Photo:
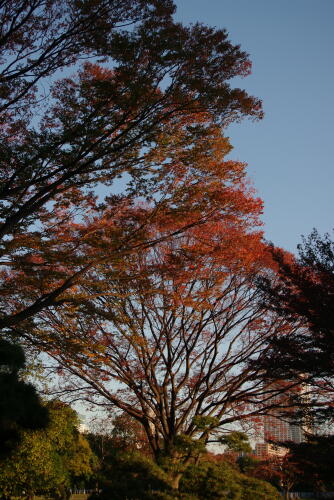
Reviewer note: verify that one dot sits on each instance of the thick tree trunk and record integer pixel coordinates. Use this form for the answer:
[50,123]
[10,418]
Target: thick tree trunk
[167,460]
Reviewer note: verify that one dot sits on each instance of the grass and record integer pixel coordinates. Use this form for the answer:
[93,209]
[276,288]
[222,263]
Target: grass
[79,496]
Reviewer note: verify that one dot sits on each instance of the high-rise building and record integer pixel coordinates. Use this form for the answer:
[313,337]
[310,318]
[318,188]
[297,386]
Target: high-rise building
[278,427]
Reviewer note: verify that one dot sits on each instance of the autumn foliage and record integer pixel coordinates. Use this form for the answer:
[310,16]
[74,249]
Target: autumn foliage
[166,330]
[110,119]
[131,244]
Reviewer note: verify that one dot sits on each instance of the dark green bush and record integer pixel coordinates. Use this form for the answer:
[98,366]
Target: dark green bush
[220,481]
[135,477]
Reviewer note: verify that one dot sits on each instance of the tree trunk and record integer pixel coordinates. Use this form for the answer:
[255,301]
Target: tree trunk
[174,481]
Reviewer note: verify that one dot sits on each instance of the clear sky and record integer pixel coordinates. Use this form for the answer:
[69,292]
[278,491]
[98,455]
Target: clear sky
[290,152]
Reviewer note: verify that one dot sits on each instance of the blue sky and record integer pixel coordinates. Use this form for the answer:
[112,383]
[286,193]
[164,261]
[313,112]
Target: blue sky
[289,153]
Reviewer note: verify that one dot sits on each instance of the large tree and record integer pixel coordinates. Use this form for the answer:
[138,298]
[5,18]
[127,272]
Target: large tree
[168,336]
[95,126]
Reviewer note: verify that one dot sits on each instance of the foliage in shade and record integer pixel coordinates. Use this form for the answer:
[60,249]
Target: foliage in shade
[47,460]
[313,461]
[113,437]
[20,406]
[304,293]
[204,481]
[133,475]
[281,471]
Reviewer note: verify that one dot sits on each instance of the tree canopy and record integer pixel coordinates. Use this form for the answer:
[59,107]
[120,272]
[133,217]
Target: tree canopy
[147,75]
[167,334]
[303,291]
[237,441]
[144,296]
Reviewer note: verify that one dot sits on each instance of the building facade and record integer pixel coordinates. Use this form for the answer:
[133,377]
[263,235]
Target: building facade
[279,428]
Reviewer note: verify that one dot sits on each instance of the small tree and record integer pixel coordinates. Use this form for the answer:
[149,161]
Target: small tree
[128,435]
[282,471]
[236,441]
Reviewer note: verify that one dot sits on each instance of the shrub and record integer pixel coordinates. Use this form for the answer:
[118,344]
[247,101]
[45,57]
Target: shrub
[135,477]
[220,481]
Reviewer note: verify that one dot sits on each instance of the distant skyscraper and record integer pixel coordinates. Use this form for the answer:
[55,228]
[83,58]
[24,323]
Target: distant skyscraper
[278,428]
